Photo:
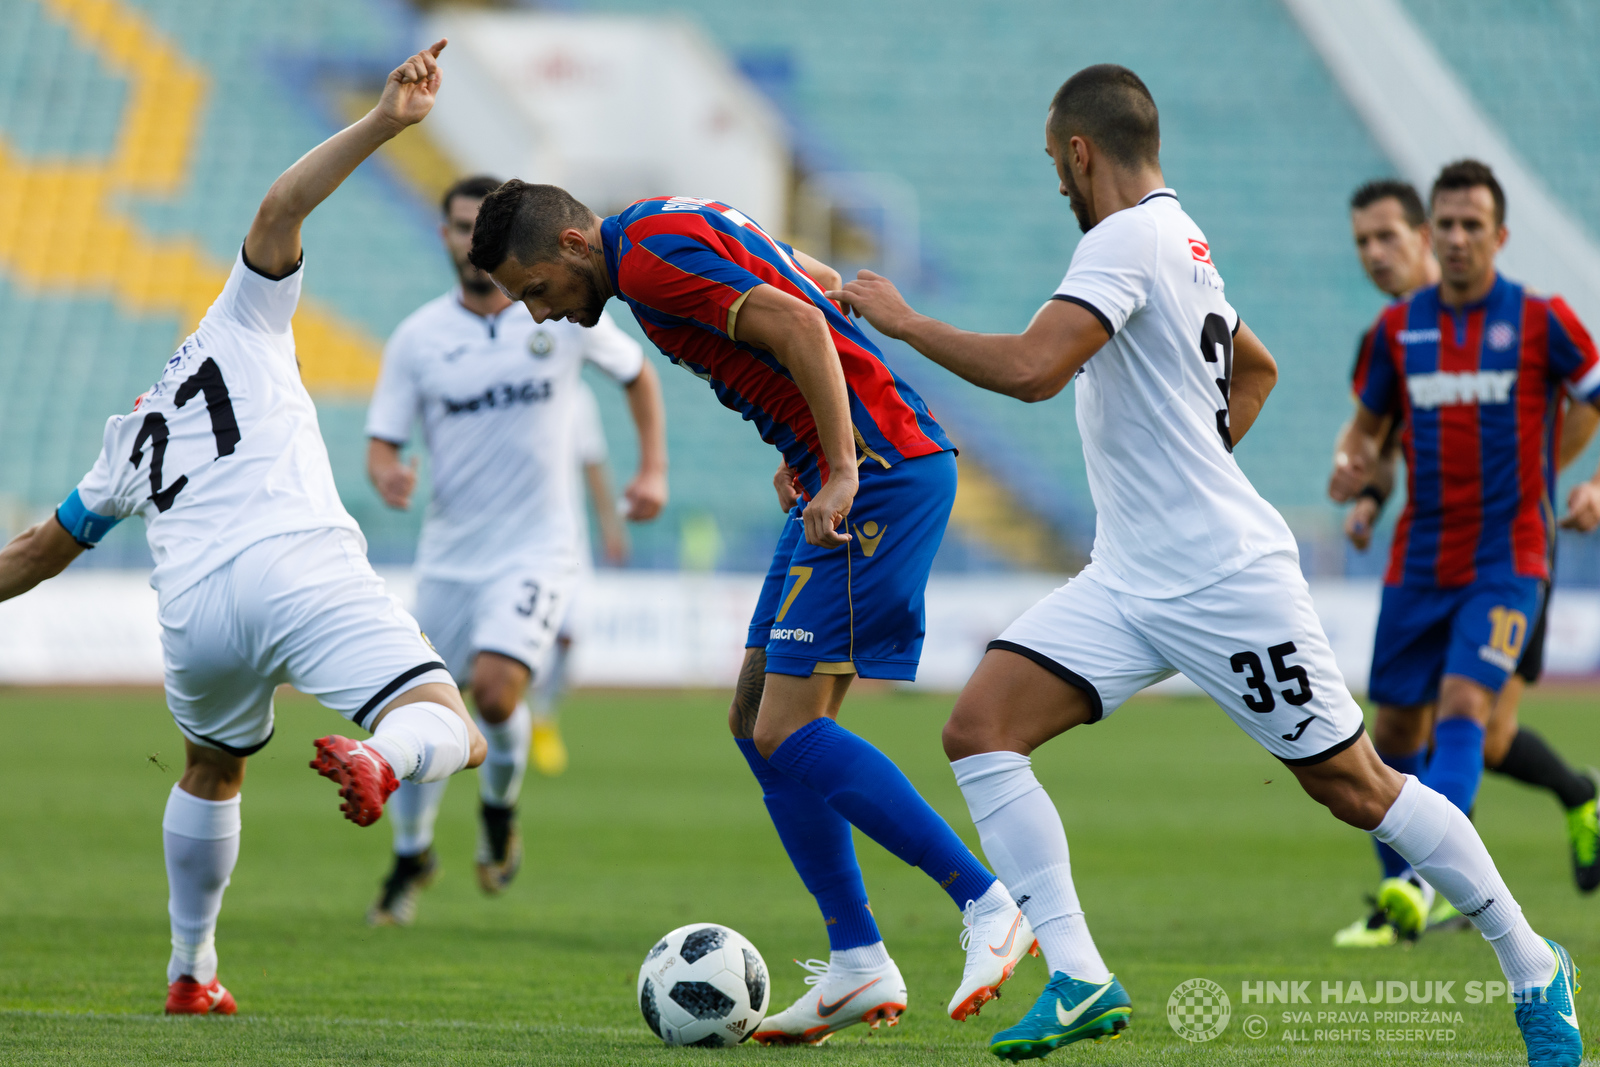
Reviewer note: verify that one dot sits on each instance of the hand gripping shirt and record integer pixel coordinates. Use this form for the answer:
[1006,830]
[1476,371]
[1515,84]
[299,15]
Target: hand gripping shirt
[224,450]
[1173,511]
[496,397]
[685,265]
[1476,391]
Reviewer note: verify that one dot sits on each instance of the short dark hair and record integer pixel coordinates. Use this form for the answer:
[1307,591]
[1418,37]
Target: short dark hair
[1110,106]
[523,220]
[1469,174]
[475,187]
[1391,189]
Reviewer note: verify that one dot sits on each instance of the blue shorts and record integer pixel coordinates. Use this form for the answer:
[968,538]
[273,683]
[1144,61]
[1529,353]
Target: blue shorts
[1477,631]
[858,608]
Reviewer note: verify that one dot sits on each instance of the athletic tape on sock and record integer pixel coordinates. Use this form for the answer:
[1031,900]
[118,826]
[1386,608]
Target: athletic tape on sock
[436,733]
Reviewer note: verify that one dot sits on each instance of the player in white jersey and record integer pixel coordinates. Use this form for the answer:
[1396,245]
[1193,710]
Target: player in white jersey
[1191,571]
[499,557]
[262,576]
[548,752]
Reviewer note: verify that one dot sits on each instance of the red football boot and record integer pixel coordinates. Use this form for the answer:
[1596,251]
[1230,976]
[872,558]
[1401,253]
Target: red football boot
[365,778]
[188,997]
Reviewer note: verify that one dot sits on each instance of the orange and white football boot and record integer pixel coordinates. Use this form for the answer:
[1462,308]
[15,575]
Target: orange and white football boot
[838,999]
[188,997]
[996,941]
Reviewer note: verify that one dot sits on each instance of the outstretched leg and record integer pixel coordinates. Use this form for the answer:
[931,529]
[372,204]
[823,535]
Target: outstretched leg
[1519,753]
[797,734]
[819,844]
[200,836]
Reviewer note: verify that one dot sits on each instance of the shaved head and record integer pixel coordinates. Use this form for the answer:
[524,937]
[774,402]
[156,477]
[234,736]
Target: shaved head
[1111,107]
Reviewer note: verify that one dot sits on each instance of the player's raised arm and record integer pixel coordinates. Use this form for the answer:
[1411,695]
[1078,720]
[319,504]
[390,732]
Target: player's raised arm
[796,333]
[1031,366]
[39,552]
[273,244]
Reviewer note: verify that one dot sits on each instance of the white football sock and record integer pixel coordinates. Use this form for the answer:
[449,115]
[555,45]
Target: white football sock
[865,958]
[201,839]
[500,776]
[423,741]
[547,690]
[1444,847]
[413,809]
[1023,838]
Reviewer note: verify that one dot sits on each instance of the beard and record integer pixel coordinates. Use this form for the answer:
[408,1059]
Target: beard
[593,303]
[1080,206]
[472,279]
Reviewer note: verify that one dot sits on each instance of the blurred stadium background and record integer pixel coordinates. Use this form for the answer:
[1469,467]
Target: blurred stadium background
[137,136]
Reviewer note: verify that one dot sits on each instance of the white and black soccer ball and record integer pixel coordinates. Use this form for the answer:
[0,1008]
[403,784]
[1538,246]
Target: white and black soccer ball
[703,985]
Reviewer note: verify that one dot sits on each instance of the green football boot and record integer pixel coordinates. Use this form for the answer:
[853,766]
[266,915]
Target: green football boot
[1375,931]
[1068,1010]
[1583,831]
[1401,899]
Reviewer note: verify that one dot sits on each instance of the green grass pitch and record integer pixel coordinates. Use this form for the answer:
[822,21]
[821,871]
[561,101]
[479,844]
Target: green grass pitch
[1196,857]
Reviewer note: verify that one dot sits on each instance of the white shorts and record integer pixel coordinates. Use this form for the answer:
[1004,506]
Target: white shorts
[517,614]
[304,609]
[1252,641]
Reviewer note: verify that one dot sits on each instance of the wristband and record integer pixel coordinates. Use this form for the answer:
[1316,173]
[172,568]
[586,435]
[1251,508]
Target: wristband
[85,526]
[1376,495]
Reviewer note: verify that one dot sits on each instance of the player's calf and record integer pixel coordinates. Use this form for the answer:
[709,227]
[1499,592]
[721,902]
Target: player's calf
[420,741]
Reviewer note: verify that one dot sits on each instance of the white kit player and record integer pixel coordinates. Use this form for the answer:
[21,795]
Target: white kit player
[262,576]
[1191,571]
[499,556]
[548,752]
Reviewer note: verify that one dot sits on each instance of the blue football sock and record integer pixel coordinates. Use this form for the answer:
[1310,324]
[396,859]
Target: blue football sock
[1394,865]
[818,841]
[1457,764]
[865,786]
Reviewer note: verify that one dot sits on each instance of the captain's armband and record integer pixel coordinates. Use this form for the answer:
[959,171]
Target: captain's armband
[86,527]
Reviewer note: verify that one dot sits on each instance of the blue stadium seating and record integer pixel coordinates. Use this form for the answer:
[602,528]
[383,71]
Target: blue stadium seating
[1531,65]
[1256,139]
[948,96]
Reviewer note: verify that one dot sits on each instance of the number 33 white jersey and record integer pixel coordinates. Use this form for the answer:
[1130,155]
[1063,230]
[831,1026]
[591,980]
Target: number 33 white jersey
[1174,513]
[224,450]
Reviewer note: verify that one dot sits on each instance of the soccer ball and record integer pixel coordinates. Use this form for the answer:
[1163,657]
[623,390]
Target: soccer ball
[703,985]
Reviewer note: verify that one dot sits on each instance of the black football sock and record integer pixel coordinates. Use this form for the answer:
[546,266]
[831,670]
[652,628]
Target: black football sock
[1532,761]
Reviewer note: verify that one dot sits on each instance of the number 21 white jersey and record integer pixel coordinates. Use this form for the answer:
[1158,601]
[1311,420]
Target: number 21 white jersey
[224,450]
[1174,513]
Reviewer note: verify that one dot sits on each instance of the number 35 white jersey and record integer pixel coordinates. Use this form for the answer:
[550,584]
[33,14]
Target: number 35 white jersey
[224,450]
[1174,513]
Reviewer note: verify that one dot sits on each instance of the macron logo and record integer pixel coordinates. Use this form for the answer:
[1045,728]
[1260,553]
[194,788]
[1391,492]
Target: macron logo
[792,635]
[1445,388]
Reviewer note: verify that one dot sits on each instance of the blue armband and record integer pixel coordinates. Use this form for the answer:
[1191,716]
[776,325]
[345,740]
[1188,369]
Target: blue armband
[84,525]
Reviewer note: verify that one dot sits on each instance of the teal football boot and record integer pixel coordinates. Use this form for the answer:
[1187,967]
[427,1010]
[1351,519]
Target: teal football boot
[1068,1010]
[1548,1017]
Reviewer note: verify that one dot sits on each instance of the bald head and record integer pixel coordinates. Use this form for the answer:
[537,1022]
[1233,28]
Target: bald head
[1109,106]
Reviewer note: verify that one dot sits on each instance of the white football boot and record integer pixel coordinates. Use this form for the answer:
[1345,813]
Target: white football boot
[839,998]
[996,939]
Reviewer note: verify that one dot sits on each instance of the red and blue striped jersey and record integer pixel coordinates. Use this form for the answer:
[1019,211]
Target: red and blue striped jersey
[1475,388]
[684,265]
